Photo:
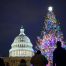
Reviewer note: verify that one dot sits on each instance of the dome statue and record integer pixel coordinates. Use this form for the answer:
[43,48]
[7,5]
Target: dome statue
[21,46]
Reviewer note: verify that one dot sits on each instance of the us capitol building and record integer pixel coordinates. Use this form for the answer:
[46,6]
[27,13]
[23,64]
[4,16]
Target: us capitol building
[21,48]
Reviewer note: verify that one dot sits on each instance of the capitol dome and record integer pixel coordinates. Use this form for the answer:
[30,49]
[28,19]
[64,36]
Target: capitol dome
[21,46]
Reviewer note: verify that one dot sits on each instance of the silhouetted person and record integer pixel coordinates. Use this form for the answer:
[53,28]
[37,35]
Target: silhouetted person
[7,64]
[22,62]
[38,59]
[59,55]
[2,62]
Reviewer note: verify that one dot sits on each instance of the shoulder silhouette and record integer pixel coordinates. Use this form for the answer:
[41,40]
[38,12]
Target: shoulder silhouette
[59,55]
[38,59]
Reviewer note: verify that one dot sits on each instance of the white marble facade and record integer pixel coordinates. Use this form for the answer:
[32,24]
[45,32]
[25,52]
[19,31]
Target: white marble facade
[21,46]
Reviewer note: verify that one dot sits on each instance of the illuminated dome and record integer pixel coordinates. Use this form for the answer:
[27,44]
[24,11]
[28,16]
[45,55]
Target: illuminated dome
[22,46]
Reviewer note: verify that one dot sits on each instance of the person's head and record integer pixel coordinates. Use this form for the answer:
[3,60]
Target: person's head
[2,62]
[38,52]
[22,61]
[58,44]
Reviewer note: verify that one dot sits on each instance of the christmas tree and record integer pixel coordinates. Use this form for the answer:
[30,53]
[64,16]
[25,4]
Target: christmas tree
[50,34]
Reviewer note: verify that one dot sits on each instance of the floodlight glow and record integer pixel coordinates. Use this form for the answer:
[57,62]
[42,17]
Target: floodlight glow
[50,8]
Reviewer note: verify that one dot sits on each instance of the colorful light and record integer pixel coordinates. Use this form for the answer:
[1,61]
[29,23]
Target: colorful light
[50,35]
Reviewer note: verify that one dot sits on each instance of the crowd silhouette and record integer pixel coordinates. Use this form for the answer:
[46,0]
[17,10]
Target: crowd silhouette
[59,58]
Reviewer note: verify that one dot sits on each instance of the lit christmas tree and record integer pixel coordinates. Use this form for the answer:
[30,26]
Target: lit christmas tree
[50,34]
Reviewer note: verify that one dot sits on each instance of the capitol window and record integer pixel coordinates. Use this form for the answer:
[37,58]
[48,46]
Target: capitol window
[16,53]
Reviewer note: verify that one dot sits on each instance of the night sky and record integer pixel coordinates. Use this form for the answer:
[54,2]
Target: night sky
[30,14]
